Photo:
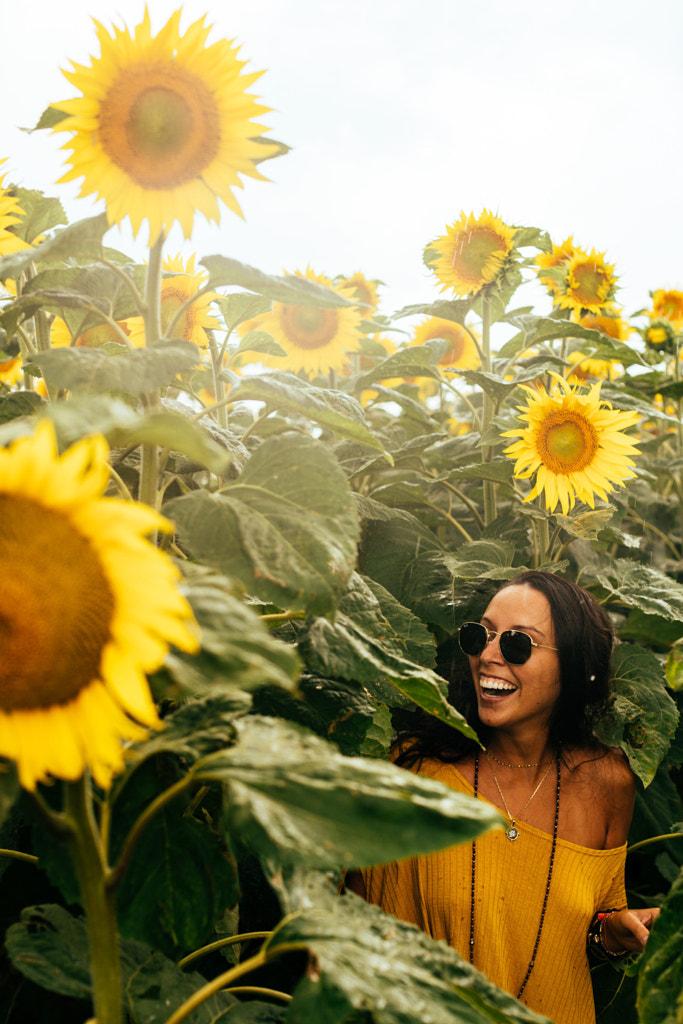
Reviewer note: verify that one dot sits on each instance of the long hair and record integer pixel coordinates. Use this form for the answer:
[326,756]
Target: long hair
[584,638]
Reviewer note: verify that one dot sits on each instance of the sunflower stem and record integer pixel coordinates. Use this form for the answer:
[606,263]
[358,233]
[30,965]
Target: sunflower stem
[220,408]
[149,468]
[487,412]
[86,851]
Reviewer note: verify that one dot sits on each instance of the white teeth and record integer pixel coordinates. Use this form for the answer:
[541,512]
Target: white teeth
[496,684]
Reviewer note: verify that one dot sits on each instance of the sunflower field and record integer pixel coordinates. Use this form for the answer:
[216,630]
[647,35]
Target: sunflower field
[242,518]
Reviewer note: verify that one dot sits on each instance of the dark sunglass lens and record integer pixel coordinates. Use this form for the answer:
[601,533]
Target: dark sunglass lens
[515,647]
[472,638]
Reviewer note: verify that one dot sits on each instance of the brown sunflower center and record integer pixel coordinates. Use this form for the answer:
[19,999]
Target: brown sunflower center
[590,286]
[55,607]
[308,327]
[474,249]
[567,442]
[161,126]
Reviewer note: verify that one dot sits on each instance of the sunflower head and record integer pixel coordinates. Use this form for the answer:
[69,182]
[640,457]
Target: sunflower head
[610,323]
[667,305]
[363,290]
[162,125]
[582,368]
[10,214]
[589,283]
[88,606]
[573,442]
[660,335]
[551,265]
[472,254]
[461,354]
[316,340]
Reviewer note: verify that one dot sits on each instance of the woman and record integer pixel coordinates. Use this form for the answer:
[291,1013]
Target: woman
[523,903]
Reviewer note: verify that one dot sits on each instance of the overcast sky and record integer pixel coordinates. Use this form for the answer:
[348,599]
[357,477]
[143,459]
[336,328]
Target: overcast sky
[401,113]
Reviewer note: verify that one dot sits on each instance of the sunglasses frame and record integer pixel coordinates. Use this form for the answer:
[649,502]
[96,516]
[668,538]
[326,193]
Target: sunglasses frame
[491,633]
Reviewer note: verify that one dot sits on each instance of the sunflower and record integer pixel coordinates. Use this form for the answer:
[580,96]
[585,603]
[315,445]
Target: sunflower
[589,283]
[10,371]
[461,352]
[163,125]
[554,261]
[611,324]
[177,287]
[574,441]
[661,335]
[667,305]
[88,606]
[472,253]
[316,340]
[583,368]
[10,214]
[92,337]
[363,290]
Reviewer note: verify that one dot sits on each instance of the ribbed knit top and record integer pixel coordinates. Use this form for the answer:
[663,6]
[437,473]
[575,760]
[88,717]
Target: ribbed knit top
[433,892]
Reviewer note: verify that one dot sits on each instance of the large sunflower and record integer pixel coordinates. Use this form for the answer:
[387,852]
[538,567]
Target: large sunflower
[178,285]
[461,353]
[668,305]
[316,340]
[472,253]
[574,443]
[88,606]
[10,214]
[555,261]
[589,283]
[163,125]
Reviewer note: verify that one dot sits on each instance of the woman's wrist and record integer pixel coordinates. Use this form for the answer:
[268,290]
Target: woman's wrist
[597,941]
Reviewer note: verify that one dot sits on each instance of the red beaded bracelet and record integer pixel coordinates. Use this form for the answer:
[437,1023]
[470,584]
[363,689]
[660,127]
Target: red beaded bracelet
[596,940]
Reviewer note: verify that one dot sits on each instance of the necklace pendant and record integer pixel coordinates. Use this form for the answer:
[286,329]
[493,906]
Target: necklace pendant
[512,833]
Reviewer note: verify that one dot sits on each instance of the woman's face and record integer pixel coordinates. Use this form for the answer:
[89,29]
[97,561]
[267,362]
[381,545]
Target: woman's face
[517,696]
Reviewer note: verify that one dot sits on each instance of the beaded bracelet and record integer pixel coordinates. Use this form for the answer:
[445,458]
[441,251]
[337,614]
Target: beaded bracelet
[596,942]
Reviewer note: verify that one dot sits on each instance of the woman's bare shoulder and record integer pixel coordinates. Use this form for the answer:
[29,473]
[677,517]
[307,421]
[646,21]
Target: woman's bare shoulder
[605,778]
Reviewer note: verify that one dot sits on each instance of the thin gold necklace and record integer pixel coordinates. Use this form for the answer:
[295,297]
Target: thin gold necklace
[513,832]
[531,764]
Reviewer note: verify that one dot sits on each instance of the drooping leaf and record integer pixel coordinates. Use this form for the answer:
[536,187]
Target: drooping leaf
[132,372]
[483,559]
[334,410]
[237,650]
[296,800]
[41,213]
[660,977]
[82,240]
[261,342]
[640,586]
[446,309]
[372,967]
[290,289]
[19,403]
[410,361]
[287,528]
[642,717]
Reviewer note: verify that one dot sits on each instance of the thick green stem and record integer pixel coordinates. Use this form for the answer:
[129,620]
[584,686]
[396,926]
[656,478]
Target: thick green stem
[98,902]
[654,839]
[220,408]
[488,409]
[149,468]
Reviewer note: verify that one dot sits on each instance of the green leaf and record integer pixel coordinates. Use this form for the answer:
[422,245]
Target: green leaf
[19,403]
[660,977]
[411,361]
[237,650]
[82,240]
[287,528]
[132,372]
[483,559]
[296,800]
[241,306]
[41,214]
[50,948]
[642,717]
[72,292]
[536,329]
[370,966]
[262,342]
[640,586]
[361,644]
[454,309]
[336,411]
[290,289]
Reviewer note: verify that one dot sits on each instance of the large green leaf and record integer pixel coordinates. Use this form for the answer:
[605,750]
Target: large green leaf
[410,361]
[290,289]
[362,644]
[373,968]
[40,214]
[19,403]
[50,948]
[132,372]
[287,528]
[237,650]
[483,559]
[642,717]
[82,240]
[294,799]
[660,980]
[338,412]
[640,586]
[447,309]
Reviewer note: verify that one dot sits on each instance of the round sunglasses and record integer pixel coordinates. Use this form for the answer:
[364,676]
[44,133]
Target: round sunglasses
[515,646]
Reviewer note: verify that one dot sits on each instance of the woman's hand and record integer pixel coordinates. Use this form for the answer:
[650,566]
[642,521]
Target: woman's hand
[629,929]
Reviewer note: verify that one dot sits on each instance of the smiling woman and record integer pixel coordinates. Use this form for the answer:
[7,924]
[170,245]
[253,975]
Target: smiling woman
[525,904]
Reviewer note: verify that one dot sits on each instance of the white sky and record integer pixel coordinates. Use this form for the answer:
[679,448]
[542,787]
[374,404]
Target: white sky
[401,113]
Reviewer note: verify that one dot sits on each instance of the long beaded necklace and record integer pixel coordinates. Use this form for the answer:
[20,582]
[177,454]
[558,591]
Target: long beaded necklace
[513,832]
[532,961]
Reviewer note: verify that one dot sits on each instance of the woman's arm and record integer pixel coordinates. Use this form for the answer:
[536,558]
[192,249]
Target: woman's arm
[628,930]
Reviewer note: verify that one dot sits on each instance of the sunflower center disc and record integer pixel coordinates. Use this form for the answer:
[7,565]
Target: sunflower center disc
[472,253]
[307,327]
[590,285]
[160,126]
[569,443]
[55,607]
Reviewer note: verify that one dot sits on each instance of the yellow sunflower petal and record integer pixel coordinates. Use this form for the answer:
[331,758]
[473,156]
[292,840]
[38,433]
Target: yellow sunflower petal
[472,253]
